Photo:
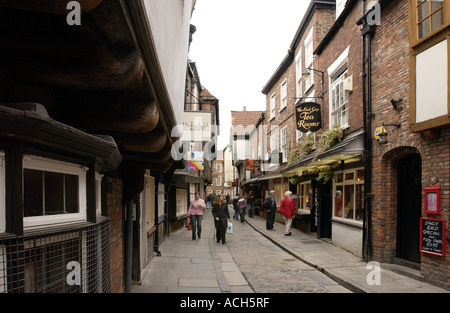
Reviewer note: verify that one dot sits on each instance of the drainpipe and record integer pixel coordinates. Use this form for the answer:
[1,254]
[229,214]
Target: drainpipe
[367,33]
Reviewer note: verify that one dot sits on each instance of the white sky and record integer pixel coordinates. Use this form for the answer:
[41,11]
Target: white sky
[237,47]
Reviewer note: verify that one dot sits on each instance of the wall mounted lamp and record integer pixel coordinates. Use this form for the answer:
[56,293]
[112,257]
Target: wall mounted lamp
[307,73]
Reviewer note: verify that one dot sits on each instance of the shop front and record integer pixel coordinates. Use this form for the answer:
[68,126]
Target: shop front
[329,190]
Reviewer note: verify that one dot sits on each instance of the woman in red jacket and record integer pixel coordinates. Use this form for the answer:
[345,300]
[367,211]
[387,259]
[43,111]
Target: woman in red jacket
[287,209]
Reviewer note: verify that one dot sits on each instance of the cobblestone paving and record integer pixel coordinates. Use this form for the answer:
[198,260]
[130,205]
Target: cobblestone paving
[268,268]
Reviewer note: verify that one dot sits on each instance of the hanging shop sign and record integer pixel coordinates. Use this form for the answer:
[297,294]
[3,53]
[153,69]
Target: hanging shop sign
[308,117]
[251,165]
[432,236]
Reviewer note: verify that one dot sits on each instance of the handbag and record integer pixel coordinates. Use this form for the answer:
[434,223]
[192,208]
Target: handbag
[188,223]
[230,228]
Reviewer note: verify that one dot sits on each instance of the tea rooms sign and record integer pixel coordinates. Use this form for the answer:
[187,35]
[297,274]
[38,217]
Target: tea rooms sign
[308,117]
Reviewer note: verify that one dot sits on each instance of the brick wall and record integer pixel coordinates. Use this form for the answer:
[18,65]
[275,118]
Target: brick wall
[115,214]
[349,36]
[390,57]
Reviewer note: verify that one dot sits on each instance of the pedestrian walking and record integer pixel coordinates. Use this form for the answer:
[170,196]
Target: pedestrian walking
[271,212]
[250,203]
[221,217]
[235,207]
[287,209]
[195,212]
[242,208]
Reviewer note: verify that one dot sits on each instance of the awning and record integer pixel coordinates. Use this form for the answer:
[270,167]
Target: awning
[350,150]
[251,181]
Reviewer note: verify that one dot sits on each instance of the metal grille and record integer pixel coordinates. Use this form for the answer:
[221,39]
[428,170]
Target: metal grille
[64,261]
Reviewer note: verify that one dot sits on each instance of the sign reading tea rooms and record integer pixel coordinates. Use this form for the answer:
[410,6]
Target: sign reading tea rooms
[308,117]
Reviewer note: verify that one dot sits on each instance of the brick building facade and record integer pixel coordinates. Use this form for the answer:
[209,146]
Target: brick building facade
[372,82]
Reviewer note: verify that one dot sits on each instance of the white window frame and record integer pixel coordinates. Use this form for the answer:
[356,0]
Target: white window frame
[335,69]
[283,142]
[219,168]
[272,106]
[49,165]
[2,193]
[309,58]
[339,115]
[283,95]
[218,181]
[298,76]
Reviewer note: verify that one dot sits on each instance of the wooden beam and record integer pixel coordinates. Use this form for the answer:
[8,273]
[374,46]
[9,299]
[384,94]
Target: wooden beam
[149,142]
[105,68]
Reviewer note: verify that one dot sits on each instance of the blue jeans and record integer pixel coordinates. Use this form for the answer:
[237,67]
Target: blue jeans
[250,210]
[196,225]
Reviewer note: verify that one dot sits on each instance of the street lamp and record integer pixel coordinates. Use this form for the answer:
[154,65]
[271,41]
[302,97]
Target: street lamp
[307,73]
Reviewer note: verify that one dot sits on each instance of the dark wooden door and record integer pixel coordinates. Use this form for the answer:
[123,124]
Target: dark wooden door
[324,210]
[409,207]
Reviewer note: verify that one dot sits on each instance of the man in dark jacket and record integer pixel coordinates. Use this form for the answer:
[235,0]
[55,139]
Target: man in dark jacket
[271,214]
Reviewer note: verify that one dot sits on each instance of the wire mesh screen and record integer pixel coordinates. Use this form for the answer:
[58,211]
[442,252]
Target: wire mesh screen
[64,261]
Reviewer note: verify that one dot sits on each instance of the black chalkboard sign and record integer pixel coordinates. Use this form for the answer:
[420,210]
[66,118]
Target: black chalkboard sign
[432,236]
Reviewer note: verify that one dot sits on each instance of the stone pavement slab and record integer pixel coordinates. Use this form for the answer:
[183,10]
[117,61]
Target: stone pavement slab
[193,266]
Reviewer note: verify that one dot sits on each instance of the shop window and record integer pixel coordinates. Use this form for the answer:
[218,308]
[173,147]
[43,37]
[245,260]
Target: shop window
[348,195]
[305,198]
[53,192]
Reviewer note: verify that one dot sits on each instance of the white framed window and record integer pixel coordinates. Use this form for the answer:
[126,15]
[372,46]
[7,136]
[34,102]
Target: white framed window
[272,106]
[339,99]
[298,75]
[219,181]
[218,168]
[54,192]
[309,58]
[283,93]
[348,190]
[2,195]
[283,141]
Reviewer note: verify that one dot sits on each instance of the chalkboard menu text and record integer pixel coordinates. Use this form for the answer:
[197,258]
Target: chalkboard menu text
[432,236]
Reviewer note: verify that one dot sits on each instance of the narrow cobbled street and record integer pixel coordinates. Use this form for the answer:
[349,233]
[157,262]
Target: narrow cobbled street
[248,262]
[268,268]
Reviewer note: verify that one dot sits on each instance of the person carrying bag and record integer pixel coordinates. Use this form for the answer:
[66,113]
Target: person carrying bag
[195,213]
[221,217]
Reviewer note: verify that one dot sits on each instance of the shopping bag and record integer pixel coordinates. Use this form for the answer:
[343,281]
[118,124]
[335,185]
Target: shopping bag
[188,223]
[230,228]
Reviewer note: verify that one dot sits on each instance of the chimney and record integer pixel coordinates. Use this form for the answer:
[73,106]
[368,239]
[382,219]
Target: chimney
[245,109]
